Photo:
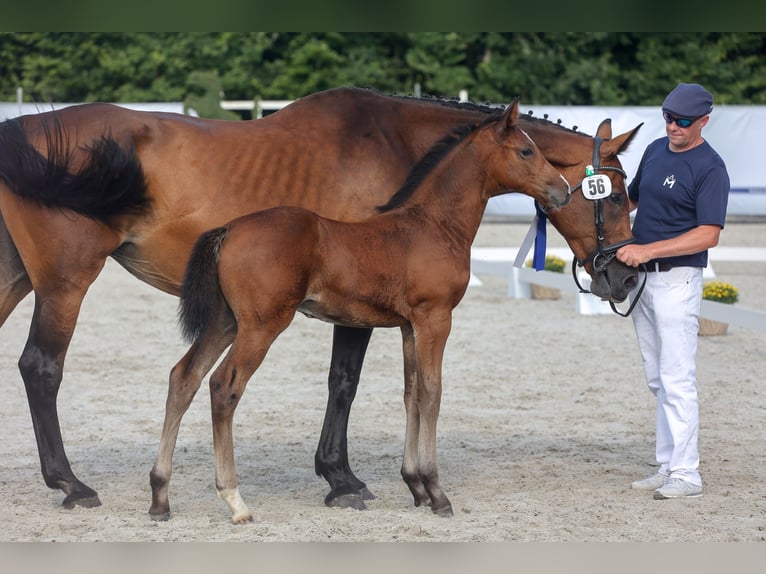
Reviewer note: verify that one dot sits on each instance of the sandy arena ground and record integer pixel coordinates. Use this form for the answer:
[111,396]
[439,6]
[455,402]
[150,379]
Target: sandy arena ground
[545,421]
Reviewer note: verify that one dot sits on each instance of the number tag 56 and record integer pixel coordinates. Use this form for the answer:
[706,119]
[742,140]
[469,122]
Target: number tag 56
[596,186]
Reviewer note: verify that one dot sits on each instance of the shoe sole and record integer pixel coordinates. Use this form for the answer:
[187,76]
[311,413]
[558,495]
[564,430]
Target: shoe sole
[659,496]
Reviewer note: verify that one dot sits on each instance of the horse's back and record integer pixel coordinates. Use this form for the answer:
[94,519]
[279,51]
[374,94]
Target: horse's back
[340,153]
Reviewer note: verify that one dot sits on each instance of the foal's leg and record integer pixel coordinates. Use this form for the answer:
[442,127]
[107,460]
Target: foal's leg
[409,469]
[349,345]
[430,341]
[185,380]
[227,383]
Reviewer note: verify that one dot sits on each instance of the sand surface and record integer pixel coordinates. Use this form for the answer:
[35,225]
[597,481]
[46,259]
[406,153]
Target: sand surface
[545,421]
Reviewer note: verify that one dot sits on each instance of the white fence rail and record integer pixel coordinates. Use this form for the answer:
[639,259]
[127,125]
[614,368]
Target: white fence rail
[499,262]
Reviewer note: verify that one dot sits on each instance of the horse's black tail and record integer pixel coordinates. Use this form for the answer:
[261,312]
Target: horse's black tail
[201,297]
[110,181]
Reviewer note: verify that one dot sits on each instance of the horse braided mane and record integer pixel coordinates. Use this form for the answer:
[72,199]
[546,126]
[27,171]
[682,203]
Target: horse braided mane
[486,108]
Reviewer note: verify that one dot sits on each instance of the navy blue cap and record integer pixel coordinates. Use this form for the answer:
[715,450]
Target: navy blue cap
[688,101]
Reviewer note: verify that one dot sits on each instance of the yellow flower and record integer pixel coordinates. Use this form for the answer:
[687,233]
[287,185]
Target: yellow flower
[552,263]
[720,292]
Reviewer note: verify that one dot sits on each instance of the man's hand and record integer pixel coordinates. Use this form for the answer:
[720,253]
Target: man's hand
[633,254]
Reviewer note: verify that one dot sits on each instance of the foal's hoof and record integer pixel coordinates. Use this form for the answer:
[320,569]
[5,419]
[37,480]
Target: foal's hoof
[160,517]
[351,500]
[366,494]
[242,519]
[84,499]
[443,510]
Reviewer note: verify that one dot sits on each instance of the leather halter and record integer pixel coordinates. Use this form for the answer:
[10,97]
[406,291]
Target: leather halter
[604,254]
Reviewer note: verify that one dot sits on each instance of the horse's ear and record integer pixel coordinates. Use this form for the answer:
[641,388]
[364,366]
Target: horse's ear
[617,145]
[511,114]
[604,130]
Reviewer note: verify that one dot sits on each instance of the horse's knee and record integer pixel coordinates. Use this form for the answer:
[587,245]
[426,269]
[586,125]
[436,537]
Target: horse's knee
[183,386]
[225,394]
[41,374]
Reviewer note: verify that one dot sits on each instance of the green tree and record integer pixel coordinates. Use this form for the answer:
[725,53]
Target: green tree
[578,68]
[203,95]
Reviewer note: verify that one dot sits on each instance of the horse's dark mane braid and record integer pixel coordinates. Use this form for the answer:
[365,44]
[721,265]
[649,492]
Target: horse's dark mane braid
[457,104]
[432,158]
[485,108]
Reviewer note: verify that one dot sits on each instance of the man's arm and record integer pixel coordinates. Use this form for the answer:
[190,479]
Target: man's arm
[693,241]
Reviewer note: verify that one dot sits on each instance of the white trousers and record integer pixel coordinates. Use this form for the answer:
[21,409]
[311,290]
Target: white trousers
[666,320]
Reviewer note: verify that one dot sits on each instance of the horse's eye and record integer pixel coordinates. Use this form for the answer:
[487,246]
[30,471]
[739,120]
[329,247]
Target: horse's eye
[527,152]
[618,198]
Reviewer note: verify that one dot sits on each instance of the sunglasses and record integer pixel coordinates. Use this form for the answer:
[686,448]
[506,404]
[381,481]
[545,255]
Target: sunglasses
[680,122]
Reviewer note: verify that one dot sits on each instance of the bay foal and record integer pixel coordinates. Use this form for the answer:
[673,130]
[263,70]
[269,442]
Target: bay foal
[407,267]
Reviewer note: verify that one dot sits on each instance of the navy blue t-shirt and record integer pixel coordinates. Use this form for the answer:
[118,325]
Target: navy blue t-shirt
[677,192]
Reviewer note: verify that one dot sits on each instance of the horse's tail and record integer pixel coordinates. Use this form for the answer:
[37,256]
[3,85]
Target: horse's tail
[109,182]
[202,300]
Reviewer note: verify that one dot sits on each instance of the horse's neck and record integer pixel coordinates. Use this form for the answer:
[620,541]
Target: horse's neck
[560,146]
[454,196]
[418,123]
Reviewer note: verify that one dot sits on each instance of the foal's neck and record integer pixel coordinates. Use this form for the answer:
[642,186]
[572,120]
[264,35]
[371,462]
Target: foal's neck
[453,197]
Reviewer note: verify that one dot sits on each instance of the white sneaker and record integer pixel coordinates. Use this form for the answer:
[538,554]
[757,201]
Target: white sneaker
[652,483]
[678,488]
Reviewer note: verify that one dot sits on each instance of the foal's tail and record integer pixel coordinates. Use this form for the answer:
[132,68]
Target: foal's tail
[110,181]
[202,300]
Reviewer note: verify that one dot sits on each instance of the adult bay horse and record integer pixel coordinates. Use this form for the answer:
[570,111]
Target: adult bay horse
[406,267]
[93,181]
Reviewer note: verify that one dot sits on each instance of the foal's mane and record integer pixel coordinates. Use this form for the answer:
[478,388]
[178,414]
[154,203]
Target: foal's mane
[432,158]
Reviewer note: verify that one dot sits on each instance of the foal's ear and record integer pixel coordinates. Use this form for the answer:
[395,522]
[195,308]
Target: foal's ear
[511,114]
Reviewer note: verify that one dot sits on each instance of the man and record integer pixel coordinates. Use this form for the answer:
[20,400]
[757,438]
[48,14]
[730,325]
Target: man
[681,191]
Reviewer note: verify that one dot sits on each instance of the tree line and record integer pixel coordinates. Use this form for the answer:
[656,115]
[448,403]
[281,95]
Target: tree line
[544,68]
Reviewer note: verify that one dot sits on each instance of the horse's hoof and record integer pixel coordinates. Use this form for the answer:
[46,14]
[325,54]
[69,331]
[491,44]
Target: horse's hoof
[445,511]
[242,519]
[161,516]
[86,500]
[366,494]
[351,500]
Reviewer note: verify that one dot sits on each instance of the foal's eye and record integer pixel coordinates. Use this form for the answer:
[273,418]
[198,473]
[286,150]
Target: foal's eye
[527,152]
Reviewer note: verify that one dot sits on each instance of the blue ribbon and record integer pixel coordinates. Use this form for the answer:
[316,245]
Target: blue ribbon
[538,257]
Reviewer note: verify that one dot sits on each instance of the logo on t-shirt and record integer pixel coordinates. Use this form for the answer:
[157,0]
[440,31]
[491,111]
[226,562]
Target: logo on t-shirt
[670,181]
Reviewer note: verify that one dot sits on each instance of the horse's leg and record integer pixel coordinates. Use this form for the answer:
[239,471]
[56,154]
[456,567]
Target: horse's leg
[349,345]
[409,469]
[62,254]
[430,341]
[185,380]
[41,365]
